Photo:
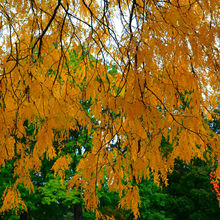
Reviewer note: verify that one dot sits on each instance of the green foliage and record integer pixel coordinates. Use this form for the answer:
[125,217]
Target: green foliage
[55,193]
[165,147]
[190,194]
[153,201]
[109,204]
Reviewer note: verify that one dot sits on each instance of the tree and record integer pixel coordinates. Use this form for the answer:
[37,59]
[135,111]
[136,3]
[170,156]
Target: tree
[50,199]
[189,187]
[153,201]
[156,77]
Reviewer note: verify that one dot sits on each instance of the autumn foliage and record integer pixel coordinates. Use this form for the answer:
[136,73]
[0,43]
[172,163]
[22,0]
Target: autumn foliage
[152,73]
[215,184]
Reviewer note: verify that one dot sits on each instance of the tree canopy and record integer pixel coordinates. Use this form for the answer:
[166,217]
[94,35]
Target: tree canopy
[132,73]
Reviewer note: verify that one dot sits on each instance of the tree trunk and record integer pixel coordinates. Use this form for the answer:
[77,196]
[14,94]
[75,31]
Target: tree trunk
[78,211]
[23,216]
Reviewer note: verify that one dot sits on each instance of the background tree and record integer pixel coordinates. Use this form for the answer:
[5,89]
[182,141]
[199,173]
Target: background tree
[189,186]
[166,57]
[50,198]
[190,194]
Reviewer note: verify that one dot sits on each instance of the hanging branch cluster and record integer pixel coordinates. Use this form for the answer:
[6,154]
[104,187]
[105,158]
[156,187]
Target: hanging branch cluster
[148,68]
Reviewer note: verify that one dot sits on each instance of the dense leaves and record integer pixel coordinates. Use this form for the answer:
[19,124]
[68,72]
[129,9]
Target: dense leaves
[156,78]
[190,193]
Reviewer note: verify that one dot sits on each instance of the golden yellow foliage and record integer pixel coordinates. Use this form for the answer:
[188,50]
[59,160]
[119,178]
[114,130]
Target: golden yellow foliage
[167,80]
[12,200]
[61,165]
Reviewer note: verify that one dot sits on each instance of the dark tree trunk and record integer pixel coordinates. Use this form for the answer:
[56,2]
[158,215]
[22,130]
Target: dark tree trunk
[23,216]
[77,207]
[78,211]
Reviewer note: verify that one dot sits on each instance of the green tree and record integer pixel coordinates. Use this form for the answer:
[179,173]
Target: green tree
[153,201]
[50,197]
[190,194]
